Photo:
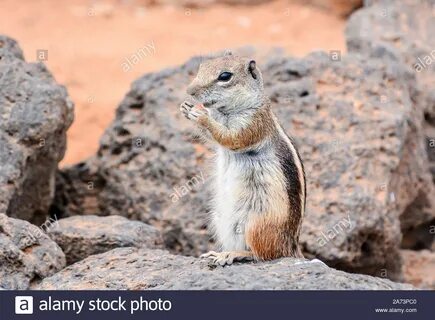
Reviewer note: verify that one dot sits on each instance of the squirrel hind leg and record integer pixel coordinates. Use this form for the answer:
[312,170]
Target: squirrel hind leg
[271,238]
[228,257]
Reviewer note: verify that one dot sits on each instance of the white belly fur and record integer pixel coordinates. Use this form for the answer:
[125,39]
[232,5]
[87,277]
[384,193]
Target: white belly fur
[228,184]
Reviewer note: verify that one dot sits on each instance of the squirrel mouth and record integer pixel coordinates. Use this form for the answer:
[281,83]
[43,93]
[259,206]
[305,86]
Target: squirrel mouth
[209,104]
[214,104]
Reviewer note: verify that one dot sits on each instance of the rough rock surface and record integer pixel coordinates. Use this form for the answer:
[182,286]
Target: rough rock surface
[419,268]
[357,131]
[35,113]
[82,236]
[404,31]
[138,269]
[26,254]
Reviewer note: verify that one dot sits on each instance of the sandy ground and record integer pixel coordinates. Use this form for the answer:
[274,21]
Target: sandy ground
[88,43]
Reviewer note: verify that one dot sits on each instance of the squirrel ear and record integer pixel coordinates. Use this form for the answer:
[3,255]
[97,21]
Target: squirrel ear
[252,68]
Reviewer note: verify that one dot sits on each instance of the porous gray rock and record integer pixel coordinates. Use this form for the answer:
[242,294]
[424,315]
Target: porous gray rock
[35,113]
[82,236]
[27,254]
[9,48]
[358,135]
[399,30]
[404,31]
[138,269]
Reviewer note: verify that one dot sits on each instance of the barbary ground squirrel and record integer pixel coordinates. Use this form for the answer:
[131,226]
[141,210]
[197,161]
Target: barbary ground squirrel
[259,191]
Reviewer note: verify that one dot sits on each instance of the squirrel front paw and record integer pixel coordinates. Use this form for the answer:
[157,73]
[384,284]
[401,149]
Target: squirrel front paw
[227,258]
[193,112]
[218,258]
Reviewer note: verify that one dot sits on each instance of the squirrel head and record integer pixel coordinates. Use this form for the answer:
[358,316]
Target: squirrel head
[228,83]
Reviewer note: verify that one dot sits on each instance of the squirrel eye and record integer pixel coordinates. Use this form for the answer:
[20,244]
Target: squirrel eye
[225,76]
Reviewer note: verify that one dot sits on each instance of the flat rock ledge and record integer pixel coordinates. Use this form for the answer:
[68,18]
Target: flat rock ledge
[83,236]
[138,269]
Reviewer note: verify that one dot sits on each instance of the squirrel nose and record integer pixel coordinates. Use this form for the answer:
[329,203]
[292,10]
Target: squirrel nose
[192,90]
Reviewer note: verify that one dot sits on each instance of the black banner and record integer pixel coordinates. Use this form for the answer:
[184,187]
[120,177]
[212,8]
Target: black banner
[216,305]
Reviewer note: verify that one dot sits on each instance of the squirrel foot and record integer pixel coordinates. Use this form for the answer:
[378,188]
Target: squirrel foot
[193,112]
[228,257]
